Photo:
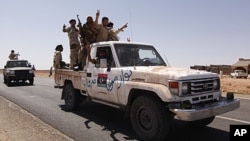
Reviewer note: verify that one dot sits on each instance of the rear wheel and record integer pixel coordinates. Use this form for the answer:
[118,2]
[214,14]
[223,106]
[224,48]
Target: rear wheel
[149,118]
[71,97]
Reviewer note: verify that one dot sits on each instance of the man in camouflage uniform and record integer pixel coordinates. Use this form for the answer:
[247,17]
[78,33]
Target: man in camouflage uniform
[57,57]
[113,34]
[74,42]
[88,36]
[102,29]
[13,55]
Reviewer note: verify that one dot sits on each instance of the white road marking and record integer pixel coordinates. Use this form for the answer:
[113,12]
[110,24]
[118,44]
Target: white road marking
[232,119]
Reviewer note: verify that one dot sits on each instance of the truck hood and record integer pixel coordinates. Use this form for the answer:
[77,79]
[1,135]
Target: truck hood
[157,74]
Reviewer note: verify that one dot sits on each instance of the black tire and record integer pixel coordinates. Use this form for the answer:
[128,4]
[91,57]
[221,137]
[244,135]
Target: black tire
[71,97]
[4,80]
[202,122]
[149,118]
[31,80]
[8,82]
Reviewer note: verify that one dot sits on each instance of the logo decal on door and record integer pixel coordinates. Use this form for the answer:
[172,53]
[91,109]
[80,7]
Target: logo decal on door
[102,80]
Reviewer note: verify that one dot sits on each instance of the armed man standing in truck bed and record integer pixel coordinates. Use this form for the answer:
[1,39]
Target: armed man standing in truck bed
[74,42]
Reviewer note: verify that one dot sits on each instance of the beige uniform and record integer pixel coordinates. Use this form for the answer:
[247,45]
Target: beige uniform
[74,45]
[13,56]
[102,34]
[57,59]
[112,36]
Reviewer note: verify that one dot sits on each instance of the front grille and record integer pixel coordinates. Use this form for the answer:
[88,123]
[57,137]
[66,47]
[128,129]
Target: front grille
[22,73]
[201,86]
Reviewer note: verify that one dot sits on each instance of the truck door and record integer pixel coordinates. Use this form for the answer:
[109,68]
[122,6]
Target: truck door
[103,74]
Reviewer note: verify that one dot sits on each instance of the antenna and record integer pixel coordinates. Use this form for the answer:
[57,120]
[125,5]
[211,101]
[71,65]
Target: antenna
[131,30]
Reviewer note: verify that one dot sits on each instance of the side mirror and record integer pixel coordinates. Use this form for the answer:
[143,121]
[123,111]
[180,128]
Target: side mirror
[109,68]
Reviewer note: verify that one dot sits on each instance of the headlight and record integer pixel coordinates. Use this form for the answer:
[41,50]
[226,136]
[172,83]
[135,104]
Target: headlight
[174,87]
[31,71]
[11,72]
[184,88]
[216,84]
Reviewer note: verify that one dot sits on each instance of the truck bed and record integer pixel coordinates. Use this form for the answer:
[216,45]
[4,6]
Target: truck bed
[76,77]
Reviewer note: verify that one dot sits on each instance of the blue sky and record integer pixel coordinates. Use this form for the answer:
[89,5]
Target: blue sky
[186,32]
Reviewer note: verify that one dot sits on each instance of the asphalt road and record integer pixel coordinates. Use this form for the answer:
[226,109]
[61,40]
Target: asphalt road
[95,122]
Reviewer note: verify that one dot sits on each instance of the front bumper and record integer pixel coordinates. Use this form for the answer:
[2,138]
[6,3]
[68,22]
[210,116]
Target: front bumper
[208,110]
[20,77]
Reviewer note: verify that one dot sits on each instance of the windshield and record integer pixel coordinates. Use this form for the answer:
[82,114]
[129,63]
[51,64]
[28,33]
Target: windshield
[12,64]
[138,55]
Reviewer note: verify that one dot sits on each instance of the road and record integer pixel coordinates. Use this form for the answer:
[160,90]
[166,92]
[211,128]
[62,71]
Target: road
[98,122]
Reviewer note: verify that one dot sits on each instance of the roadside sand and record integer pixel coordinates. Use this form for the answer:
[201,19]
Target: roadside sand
[17,124]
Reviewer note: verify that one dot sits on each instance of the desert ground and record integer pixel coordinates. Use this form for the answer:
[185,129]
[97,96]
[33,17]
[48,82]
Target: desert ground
[16,124]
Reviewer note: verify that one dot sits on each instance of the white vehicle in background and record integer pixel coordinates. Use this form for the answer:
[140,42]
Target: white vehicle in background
[239,74]
[18,70]
[135,79]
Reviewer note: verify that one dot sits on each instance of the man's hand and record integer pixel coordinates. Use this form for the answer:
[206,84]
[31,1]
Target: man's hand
[125,26]
[98,13]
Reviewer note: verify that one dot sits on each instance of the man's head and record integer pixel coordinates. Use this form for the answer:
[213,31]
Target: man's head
[105,21]
[12,51]
[72,21]
[89,19]
[110,25]
[59,48]
[102,54]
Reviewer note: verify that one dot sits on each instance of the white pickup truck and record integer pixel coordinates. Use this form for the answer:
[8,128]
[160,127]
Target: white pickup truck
[239,74]
[135,78]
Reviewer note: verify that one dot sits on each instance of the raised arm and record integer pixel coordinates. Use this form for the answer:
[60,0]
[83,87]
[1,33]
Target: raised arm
[96,18]
[88,54]
[122,28]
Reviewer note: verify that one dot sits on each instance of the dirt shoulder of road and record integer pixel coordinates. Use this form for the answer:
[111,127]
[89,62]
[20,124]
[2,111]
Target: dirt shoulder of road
[16,124]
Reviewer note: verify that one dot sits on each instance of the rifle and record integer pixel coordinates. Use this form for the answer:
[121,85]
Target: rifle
[80,27]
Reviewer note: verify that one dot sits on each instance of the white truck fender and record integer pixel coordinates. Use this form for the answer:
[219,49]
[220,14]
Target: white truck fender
[160,90]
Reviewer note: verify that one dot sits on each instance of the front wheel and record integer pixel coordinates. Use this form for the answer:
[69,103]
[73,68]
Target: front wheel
[71,97]
[149,118]
[4,80]
[8,82]
[31,80]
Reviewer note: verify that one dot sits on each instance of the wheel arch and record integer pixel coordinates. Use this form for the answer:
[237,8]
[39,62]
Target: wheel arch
[134,93]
